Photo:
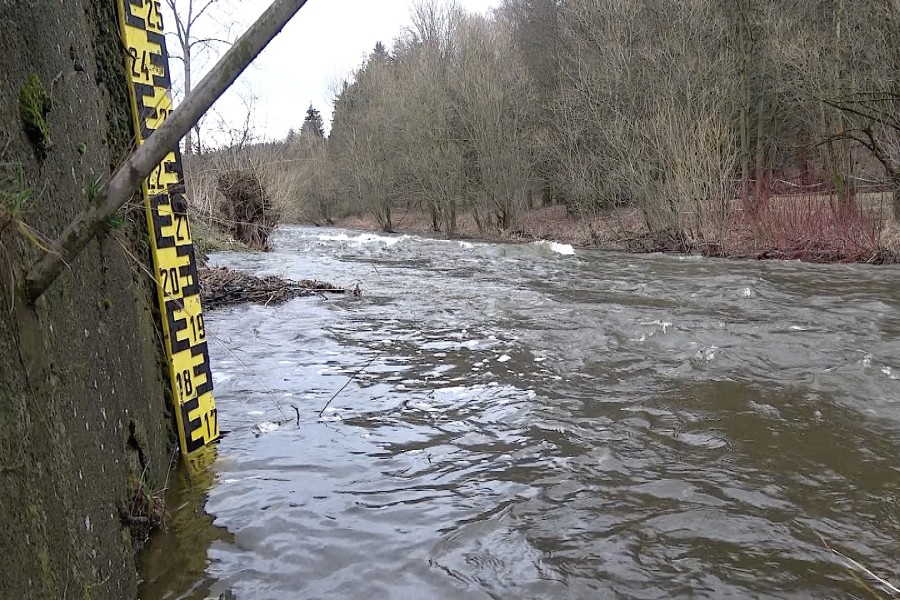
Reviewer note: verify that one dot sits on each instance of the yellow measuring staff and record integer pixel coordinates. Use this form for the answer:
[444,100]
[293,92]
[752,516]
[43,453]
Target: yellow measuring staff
[174,261]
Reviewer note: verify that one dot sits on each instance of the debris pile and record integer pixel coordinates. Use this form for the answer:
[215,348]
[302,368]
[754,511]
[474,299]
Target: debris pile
[249,211]
[224,287]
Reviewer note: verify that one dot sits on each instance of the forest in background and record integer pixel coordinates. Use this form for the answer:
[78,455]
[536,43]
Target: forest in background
[734,128]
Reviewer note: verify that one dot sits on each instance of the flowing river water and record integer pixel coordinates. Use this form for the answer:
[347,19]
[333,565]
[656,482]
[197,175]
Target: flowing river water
[537,422]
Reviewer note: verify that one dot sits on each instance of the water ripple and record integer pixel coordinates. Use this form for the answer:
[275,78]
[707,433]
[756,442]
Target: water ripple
[546,425]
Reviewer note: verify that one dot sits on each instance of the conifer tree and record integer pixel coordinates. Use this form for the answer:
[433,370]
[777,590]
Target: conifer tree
[313,124]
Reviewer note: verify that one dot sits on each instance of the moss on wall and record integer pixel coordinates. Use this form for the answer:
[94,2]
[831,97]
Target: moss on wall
[34,105]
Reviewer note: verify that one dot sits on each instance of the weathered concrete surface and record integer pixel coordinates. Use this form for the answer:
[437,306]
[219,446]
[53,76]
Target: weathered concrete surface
[83,410]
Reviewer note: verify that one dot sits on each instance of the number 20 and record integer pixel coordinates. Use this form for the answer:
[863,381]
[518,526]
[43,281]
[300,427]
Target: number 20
[169,281]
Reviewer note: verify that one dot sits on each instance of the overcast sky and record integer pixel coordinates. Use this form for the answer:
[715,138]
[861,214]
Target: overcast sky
[322,46]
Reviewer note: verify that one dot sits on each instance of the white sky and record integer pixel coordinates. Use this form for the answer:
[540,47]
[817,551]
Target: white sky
[323,45]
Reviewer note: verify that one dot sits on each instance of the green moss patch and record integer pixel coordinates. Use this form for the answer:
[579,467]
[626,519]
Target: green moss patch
[34,105]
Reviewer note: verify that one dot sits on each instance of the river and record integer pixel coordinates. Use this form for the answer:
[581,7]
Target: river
[532,421]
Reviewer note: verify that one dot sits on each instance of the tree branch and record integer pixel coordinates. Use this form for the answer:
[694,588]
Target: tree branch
[885,120]
[209,40]
[178,25]
[876,148]
[203,10]
[128,177]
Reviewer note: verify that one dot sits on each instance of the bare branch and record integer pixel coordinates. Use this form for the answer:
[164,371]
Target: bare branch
[881,119]
[203,9]
[179,27]
[207,41]
[892,166]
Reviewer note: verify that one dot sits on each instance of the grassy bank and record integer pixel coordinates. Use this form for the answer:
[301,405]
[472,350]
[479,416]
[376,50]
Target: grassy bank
[208,238]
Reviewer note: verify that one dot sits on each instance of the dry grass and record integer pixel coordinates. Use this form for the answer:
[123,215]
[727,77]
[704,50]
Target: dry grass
[248,208]
[15,197]
[146,509]
[210,238]
[287,171]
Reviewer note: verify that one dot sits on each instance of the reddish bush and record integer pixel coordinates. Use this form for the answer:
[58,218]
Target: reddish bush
[815,228]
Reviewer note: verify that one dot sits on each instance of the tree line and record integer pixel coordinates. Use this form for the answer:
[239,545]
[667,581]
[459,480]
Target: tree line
[681,110]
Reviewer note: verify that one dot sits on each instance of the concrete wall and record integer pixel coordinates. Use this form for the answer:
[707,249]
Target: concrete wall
[84,416]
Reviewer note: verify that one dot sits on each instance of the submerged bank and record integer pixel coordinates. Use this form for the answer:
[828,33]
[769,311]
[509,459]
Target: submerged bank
[221,286]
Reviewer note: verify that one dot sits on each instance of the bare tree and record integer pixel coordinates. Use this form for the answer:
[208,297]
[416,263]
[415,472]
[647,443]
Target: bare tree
[189,16]
[496,98]
[431,150]
[536,31]
[674,108]
[362,137]
[641,113]
[867,106]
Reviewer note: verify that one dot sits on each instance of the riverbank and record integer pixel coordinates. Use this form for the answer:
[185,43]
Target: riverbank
[809,229]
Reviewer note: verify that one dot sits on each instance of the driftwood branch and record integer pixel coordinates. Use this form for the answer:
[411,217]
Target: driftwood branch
[349,381]
[225,287]
[128,177]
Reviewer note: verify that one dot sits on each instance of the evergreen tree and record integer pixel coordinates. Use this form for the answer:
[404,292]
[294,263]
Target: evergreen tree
[380,53]
[313,124]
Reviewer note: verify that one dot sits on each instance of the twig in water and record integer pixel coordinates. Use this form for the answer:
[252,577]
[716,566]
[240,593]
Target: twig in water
[284,418]
[852,564]
[349,381]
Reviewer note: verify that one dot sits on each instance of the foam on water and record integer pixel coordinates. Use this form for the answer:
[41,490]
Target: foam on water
[264,427]
[364,238]
[564,249]
[663,325]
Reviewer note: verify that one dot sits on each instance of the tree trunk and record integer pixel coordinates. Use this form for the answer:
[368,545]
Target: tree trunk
[840,153]
[452,218]
[744,120]
[745,155]
[760,152]
[895,198]
[546,196]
